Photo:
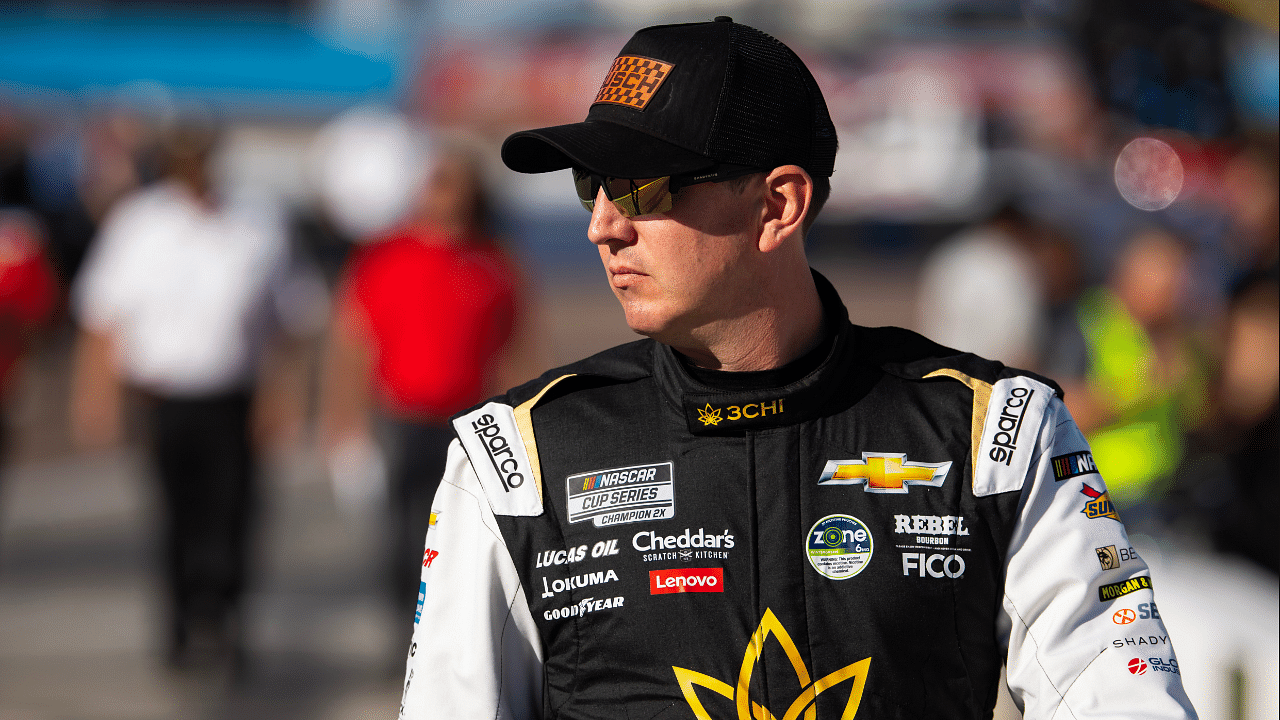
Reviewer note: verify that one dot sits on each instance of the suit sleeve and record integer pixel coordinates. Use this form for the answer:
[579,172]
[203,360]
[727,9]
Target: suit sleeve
[475,651]
[1084,634]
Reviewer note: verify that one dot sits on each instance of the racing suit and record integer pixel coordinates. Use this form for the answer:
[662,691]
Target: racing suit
[618,539]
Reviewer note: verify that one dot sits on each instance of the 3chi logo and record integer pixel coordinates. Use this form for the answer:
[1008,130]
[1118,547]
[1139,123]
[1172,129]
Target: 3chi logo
[740,695]
[1137,667]
[709,415]
[1123,616]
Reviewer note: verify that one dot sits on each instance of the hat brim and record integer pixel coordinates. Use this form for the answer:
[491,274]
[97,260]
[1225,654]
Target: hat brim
[602,147]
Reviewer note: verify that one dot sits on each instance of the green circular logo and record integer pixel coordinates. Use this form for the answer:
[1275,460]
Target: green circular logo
[839,546]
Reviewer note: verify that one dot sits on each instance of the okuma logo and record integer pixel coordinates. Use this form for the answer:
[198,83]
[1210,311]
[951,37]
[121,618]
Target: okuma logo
[740,694]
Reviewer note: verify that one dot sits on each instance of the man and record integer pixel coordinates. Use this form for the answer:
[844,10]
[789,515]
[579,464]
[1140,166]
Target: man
[763,511]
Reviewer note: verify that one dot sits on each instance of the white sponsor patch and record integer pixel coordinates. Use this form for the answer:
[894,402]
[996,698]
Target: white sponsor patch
[1010,434]
[497,452]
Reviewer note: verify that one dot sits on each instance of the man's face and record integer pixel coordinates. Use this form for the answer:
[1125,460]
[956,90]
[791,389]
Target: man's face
[679,273]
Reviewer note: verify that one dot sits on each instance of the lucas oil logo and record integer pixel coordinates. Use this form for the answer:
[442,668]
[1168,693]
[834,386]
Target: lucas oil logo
[884,473]
[622,495]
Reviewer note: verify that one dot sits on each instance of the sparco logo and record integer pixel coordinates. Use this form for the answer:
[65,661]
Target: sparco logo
[499,450]
[1009,425]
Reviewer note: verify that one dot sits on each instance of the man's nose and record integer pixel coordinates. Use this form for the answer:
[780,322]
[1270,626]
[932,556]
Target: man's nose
[608,224]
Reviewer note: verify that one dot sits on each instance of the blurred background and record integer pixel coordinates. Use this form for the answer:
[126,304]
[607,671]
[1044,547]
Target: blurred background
[1083,188]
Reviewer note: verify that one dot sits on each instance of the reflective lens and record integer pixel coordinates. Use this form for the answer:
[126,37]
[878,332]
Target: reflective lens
[631,197]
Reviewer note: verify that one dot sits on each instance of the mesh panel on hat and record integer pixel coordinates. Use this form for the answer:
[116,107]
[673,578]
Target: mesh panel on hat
[771,111]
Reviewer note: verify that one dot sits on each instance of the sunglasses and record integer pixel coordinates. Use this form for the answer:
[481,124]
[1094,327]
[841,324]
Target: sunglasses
[643,197]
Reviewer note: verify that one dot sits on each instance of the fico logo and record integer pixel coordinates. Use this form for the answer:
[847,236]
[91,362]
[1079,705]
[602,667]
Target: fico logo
[1137,667]
[685,580]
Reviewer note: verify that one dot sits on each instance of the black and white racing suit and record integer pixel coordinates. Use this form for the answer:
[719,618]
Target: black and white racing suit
[620,540]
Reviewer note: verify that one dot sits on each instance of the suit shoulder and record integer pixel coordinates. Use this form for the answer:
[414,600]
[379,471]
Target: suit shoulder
[912,356]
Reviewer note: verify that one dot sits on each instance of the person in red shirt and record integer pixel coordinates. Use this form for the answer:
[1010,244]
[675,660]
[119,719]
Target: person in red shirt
[423,329]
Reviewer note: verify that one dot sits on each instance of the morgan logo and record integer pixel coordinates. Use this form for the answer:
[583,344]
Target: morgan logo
[1120,589]
[499,450]
[632,81]
[884,473]
[686,580]
[739,693]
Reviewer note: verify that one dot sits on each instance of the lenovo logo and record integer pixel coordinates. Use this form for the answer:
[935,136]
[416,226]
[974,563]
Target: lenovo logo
[681,580]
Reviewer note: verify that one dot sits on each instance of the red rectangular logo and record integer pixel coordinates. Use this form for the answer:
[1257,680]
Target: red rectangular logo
[681,580]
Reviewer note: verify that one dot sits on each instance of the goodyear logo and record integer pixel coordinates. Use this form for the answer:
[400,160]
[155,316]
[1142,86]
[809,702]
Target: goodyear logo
[1099,505]
[739,694]
[1120,589]
[884,472]
[632,81]
[1069,466]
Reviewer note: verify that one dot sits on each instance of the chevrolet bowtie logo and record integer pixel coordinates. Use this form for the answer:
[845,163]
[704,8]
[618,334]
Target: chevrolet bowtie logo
[884,472]
[740,695]
[709,416]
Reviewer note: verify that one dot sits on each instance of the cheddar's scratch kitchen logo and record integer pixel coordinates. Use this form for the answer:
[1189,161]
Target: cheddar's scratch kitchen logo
[739,695]
[632,81]
[884,473]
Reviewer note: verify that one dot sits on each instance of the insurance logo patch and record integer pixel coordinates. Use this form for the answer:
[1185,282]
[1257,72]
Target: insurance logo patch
[622,495]
[839,546]
[632,81]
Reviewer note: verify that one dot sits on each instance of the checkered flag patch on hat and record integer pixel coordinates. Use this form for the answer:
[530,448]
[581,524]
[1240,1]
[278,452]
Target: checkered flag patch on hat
[632,81]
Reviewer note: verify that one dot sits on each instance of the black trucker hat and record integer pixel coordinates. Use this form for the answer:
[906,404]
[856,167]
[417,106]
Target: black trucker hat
[688,98]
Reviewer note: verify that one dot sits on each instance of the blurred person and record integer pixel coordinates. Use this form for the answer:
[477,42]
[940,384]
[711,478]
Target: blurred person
[981,290]
[29,294]
[1147,377]
[1248,403]
[424,328]
[183,291]
[761,506]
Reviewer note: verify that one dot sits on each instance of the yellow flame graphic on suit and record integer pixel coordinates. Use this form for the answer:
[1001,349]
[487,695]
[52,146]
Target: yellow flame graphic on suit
[804,703]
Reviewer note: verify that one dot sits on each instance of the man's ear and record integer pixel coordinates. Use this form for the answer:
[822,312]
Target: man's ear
[788,190]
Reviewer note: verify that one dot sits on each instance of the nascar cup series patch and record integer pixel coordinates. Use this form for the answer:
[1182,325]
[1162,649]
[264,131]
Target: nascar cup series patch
[622,495]
[839,546]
